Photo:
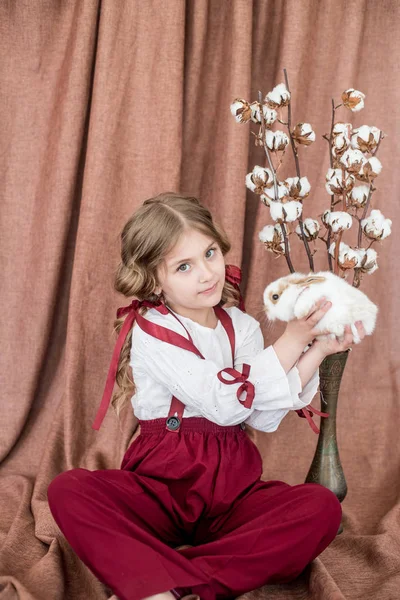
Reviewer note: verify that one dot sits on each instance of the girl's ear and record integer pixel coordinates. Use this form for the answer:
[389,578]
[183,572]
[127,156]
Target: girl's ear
[309,280]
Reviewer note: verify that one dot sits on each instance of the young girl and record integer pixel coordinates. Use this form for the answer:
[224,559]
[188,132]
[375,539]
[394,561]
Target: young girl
[187,513]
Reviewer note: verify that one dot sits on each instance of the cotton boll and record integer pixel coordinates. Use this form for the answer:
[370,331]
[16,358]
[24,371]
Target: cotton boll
[303,134]
[369,263]
[276,140]
[255,112]
[288,212]
[298,187]
[279,96]
[374,164]
[240,109]
[352,160]
[283,191]
[353,99]
[376,227]
[311,229]
[342,129]
[370,169]
[359,195]
[340,144]
[335,184]
[270,115]
[250,183]
[365,138]
[267,233]
[272,237]
[340,221]
[348,258]
[373,266]
[258,178]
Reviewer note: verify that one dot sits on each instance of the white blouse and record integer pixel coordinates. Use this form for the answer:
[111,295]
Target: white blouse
[161,370]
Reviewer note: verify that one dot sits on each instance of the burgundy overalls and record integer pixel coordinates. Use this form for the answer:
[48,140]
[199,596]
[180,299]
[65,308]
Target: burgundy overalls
[190,481]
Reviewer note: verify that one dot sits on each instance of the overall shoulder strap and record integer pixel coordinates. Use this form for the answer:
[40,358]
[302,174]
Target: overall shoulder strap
[167,335]
[227,324]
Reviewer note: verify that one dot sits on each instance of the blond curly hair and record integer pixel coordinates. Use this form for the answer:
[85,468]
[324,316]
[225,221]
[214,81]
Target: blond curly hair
[147,237]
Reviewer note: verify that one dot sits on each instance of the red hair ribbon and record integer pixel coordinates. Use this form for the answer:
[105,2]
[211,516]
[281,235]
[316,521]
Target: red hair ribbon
[246,386]
[233,275]
[131,311]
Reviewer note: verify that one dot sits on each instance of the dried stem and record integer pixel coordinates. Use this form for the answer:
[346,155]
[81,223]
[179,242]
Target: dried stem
[337,247]
[285,239]
[296,160]
[339,237]
[333,197]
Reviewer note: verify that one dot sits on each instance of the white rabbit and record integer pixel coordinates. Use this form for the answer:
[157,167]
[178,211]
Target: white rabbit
[293,296]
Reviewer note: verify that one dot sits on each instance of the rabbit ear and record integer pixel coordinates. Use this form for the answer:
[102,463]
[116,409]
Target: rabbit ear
[309,280]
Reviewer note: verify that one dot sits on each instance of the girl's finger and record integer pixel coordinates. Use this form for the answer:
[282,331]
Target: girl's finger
[348,336]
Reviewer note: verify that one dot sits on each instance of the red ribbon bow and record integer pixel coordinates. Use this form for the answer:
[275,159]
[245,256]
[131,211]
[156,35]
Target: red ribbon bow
[136,304]
[246,386]
[307,413]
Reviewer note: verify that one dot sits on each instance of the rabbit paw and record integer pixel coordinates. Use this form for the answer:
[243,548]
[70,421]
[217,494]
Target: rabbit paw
[356,337]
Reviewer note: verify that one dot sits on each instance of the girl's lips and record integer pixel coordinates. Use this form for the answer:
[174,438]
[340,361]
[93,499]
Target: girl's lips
[209,291]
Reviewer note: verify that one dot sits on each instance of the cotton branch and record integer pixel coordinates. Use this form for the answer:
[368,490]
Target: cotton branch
[296,160]
[271,166]
[328,242]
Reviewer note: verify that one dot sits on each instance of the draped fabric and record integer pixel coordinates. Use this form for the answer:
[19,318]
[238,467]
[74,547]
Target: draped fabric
[104,104]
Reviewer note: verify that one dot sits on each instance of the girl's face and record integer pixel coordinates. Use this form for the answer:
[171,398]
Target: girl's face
[194,265]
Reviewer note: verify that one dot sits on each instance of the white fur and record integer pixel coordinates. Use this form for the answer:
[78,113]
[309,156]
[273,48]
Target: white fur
[349,304]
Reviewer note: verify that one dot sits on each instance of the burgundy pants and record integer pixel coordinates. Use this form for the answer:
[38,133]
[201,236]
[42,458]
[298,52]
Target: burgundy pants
[200,487]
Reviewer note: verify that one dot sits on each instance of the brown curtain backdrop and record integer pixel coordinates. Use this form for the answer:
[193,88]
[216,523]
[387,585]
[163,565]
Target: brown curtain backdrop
[104,103]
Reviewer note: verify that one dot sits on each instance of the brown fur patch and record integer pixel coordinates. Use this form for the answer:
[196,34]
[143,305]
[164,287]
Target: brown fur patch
[303,281]
[281,288]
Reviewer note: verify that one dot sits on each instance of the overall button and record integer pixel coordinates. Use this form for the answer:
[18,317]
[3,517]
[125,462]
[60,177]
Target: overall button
[173,423]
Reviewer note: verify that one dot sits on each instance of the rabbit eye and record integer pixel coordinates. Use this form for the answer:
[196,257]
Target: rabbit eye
[275,297]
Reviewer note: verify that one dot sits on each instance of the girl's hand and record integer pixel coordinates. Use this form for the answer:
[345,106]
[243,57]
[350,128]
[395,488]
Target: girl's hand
[301,331]
[329,346]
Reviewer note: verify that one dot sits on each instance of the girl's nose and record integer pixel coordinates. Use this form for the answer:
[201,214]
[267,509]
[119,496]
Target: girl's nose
[205,273]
